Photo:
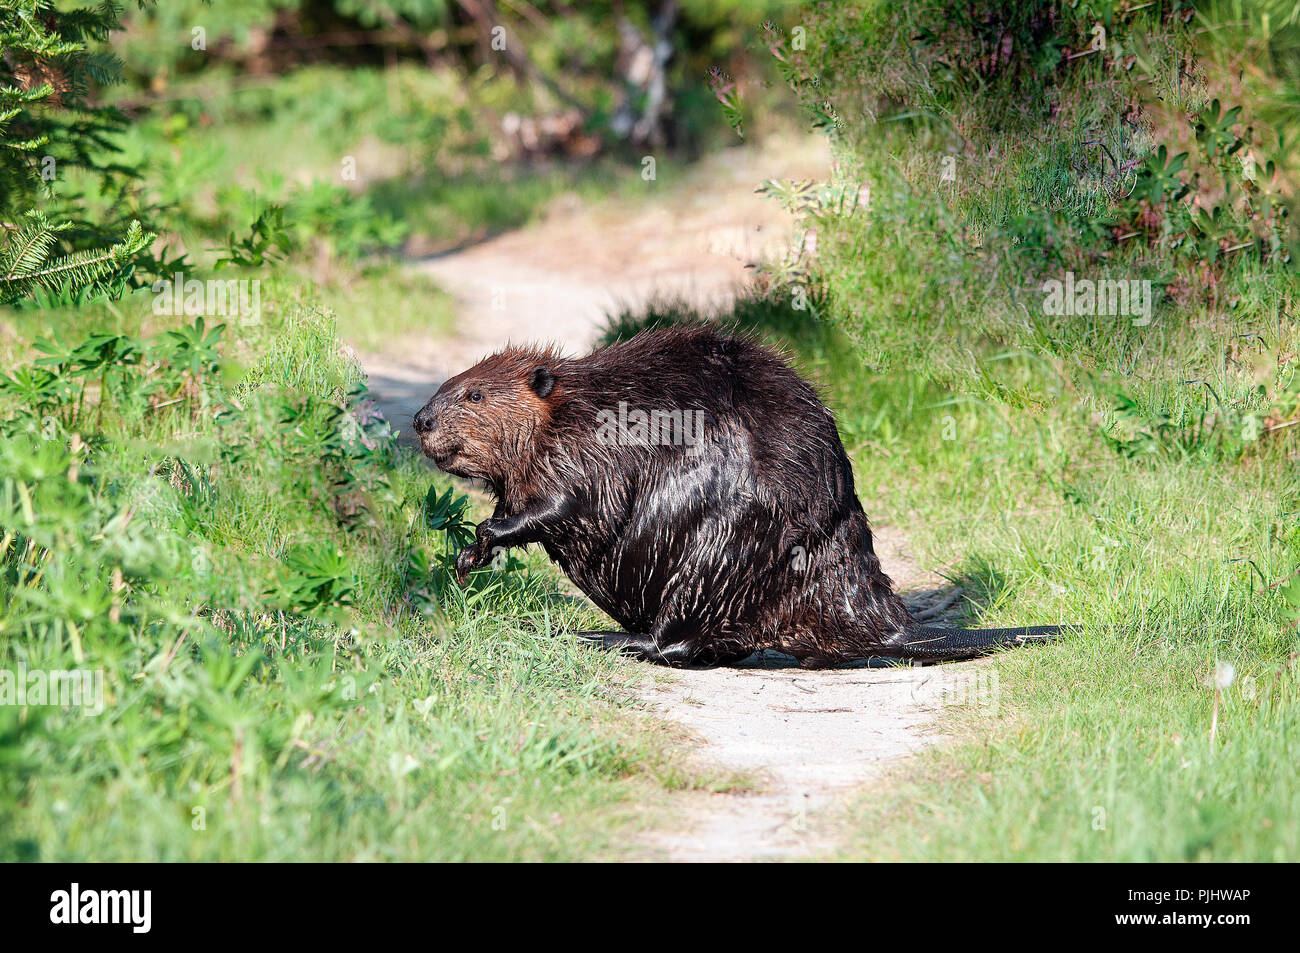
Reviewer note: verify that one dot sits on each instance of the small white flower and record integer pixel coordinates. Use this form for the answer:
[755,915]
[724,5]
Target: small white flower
[402,764]
[1222,676]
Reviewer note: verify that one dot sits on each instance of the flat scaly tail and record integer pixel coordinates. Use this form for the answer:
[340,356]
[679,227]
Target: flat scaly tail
[929,643]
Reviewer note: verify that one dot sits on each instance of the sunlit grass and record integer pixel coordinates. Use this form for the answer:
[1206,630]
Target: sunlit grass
[413,721]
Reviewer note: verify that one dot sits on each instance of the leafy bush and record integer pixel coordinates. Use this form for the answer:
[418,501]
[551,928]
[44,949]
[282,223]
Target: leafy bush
[1019,144]
[261,578]
[49,128]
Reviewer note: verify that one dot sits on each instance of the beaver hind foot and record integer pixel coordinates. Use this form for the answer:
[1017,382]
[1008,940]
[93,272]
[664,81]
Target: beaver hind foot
[644,647]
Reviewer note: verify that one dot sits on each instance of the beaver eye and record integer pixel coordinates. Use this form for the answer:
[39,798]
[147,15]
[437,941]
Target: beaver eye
[475,395]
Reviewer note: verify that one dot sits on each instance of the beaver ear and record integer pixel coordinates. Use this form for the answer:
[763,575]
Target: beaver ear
[542,381]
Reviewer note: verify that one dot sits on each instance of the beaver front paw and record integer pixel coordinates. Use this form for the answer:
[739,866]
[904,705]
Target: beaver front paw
[485,532]
[470,558]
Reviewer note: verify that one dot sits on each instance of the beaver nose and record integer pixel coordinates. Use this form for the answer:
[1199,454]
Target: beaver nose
[424,420]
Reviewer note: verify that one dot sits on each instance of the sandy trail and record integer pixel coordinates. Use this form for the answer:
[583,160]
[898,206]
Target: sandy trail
[692,235]
[807,738]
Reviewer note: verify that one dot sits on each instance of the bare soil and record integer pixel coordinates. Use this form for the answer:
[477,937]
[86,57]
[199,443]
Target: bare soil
[692,237]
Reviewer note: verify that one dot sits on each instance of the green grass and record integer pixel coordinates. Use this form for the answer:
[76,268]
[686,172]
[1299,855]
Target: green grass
[289,672]
[385,301]
[372,305]
[220,149]
[1042,522]
[263,578]
[1168,560]
[365,159]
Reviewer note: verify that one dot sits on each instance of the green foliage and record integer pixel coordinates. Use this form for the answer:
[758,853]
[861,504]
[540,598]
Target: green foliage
[1135,479]
[267,241]
[558,56]
[27,268]
[261,578]
[48,128]
[1168,539]
[317,578]
[1016,143]
[446,512]
[725,89]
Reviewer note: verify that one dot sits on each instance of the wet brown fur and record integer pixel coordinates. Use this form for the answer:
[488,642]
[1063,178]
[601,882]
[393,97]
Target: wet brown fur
[752,538]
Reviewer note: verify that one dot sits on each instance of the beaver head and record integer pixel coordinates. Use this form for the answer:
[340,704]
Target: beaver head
[480,422]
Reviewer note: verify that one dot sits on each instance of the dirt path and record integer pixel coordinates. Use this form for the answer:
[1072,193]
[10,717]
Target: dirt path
[805,738]
[691,235]
[808,738]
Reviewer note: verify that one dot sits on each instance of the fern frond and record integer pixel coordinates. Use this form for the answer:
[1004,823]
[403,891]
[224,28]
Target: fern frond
[25,264]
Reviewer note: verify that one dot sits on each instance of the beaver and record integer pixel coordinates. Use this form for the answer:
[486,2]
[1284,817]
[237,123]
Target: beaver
[693,485]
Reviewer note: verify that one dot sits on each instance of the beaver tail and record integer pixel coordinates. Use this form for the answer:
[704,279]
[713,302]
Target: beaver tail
[928,643]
